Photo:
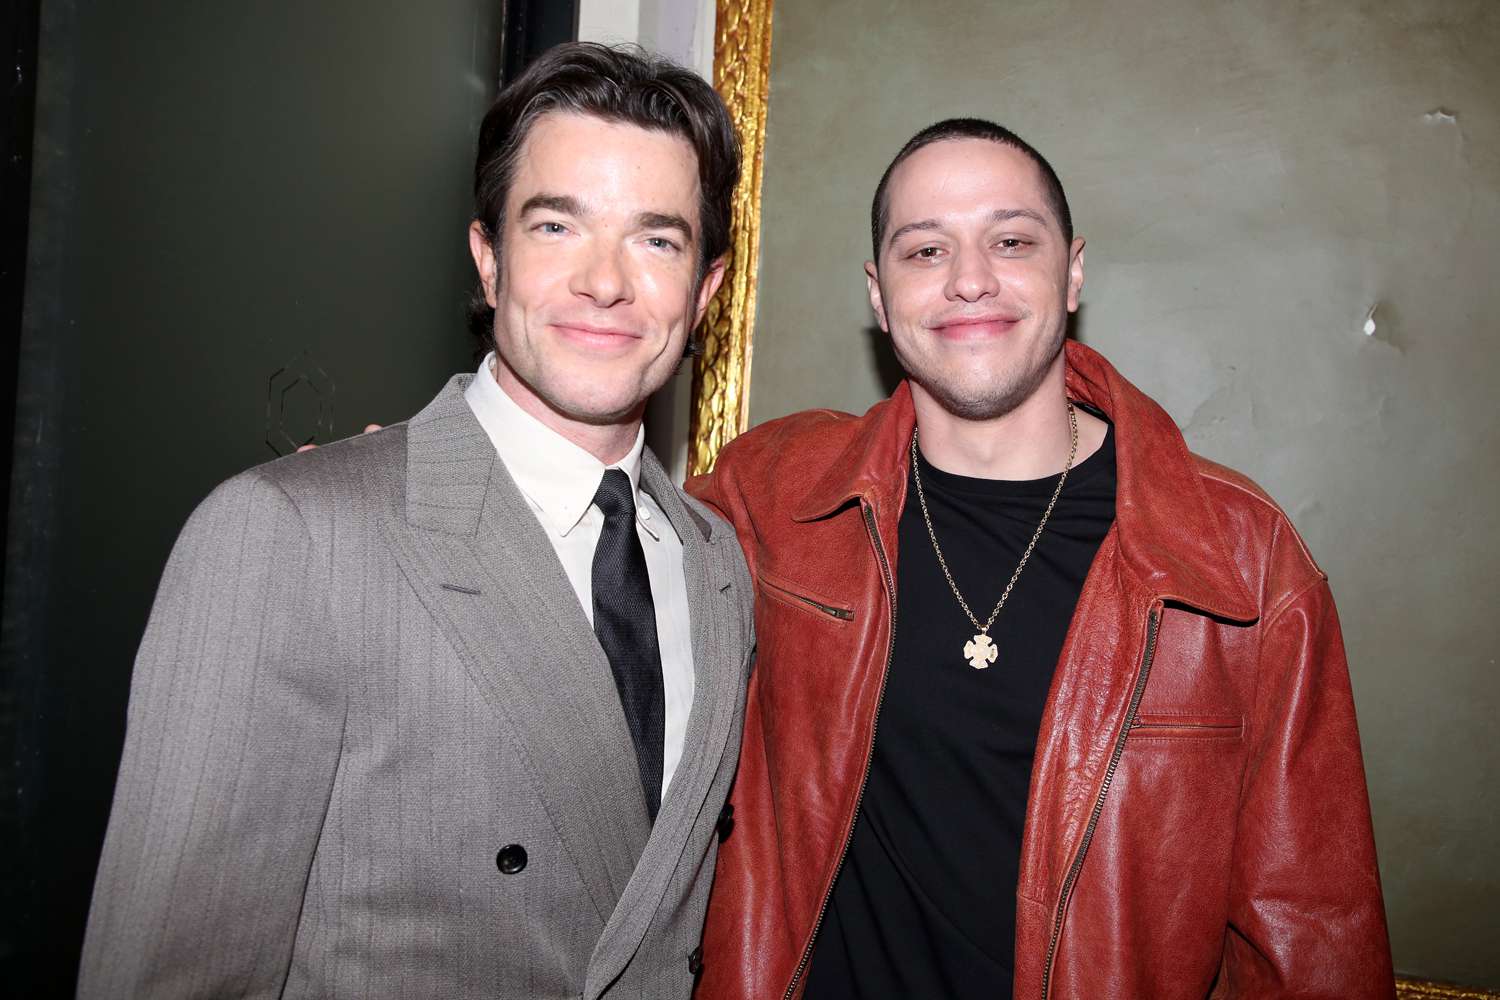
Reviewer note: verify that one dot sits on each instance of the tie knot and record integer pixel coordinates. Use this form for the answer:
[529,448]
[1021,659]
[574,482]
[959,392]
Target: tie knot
[615,495]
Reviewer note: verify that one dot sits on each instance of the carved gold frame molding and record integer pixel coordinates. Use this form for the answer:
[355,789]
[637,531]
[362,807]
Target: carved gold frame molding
[721,374]
[1421,989]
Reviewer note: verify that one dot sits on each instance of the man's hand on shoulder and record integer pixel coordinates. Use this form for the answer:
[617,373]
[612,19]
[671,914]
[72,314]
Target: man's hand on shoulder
[369,429]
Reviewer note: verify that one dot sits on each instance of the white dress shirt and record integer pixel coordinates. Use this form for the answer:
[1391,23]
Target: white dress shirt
[558,480]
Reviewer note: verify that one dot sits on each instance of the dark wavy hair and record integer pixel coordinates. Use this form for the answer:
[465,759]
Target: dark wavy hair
[620,84]
[968,128]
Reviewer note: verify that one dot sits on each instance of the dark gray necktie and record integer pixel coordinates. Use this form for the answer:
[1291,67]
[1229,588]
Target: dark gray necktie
[625,623]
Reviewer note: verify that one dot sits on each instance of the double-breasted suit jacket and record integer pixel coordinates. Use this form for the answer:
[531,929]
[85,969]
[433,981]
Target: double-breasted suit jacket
[374,749]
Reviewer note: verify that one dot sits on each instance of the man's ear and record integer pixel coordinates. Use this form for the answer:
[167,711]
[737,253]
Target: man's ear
[872,278]
[712,279]
[484,259]
[1075,273]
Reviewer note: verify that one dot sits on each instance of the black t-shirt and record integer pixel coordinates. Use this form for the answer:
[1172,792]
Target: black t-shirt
[925,903]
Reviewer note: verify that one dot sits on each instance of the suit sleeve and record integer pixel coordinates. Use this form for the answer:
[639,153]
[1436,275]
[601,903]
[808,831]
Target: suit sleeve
[232,739]
[1306,915]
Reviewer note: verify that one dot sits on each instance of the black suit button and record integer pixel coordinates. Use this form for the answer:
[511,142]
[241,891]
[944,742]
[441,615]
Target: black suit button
[726,822]
[695,960]
[511,859]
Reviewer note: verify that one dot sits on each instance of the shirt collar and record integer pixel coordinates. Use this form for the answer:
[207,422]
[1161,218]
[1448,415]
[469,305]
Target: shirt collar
[556,475]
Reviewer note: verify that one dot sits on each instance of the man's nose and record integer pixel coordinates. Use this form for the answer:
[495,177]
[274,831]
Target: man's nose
[603,278]
[971,278]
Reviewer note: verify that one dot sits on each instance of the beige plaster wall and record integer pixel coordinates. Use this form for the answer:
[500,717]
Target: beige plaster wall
[1253,179]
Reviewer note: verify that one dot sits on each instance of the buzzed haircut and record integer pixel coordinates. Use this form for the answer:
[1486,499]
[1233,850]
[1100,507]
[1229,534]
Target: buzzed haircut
[968,128]
[621,84]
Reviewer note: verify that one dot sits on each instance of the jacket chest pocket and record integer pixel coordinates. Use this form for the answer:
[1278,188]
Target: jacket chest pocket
[1187,726]
[807,643]
[802,598]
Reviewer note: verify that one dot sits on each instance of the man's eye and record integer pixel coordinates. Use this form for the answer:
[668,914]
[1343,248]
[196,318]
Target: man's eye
[661,243]
[926,253]
[1012,243]
[552,228]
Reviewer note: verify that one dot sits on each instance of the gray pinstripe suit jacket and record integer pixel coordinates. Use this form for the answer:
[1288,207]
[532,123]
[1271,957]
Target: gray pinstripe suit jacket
[364,674]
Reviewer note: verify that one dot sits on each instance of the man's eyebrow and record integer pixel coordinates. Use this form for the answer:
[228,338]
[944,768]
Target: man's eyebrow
[569,205]
[1006,214]
[926,225]
[998,215]
[665,220]
[566,204]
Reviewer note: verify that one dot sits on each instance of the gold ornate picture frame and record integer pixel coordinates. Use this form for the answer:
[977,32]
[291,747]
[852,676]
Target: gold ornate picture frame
[720,407]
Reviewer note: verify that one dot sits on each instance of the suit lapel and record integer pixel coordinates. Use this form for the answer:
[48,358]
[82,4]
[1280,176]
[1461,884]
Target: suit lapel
[718,654]
[476,555]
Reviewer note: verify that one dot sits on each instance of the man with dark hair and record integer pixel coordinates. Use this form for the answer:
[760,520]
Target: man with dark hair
[1116,754]
[450,710]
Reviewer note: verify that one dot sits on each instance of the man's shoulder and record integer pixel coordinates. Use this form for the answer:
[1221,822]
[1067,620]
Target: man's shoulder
[1258,528]
[342,470]
[344,477]
[771,465]
[1235,486]
[354,480]
[805,440]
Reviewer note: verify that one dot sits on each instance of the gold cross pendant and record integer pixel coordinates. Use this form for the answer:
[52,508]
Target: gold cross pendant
[980,651]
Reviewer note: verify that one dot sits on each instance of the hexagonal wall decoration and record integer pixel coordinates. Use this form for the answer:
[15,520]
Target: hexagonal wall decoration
[299,405]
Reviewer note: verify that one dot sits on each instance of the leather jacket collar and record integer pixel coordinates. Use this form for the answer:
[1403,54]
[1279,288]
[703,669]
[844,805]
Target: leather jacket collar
[1159,488]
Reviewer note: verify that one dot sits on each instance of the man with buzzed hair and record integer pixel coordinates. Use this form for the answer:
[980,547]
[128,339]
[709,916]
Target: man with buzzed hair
[1044,704]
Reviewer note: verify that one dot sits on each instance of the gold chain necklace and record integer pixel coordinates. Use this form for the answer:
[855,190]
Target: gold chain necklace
[981,650]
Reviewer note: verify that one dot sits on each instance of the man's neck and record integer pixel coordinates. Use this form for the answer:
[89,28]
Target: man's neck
[1029,442]
[609,443]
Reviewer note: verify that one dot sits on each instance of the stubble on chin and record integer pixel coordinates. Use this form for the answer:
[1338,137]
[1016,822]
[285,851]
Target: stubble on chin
[979,399]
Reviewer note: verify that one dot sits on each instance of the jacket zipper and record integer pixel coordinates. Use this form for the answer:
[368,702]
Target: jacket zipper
[890,589]
[828,609]
[1153,621]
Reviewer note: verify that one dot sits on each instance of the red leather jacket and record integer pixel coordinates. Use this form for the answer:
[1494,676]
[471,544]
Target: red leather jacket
[1197,822]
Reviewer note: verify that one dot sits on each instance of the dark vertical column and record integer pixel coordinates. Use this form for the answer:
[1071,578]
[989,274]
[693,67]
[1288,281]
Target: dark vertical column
[18,41]
[18,38]
[31,516]
[531,28]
